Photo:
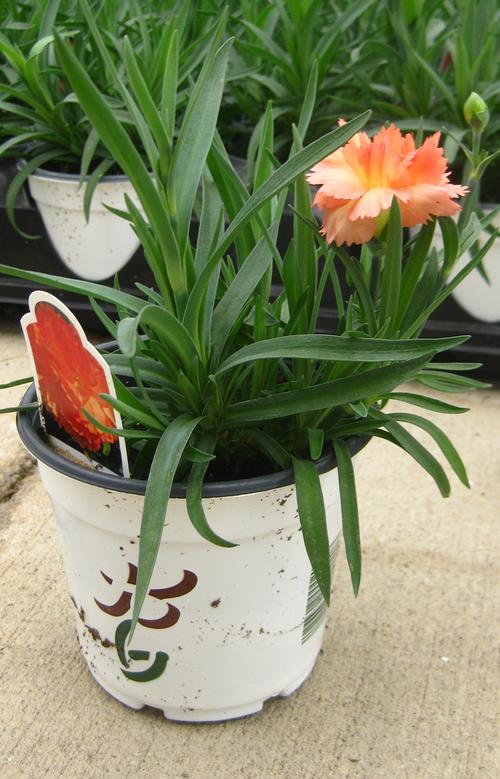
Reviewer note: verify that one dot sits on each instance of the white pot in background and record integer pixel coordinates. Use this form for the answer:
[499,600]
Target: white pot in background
[478,298]
[222,630]
[95,250]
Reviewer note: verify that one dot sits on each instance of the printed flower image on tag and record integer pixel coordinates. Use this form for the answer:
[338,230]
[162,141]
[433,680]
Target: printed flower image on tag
[70,375]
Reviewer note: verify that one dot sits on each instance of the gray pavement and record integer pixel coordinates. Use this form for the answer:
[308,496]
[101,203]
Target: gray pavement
[406,687]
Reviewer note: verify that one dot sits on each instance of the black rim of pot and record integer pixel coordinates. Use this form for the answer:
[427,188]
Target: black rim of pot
[52,175]
[30,432]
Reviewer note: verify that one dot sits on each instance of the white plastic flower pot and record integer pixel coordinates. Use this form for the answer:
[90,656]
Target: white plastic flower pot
[222,630]
[93,250]
[480,299]
[474,294]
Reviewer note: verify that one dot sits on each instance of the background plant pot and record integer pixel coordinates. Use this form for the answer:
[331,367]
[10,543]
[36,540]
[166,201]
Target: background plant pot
[474,294]
[474,309]
[222,630]
[93,250]
[39,255]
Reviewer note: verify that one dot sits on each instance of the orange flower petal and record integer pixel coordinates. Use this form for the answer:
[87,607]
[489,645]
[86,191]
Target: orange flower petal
[427,200]
[358,182]
[337,177]
[429,163]
[375,201]
[338,227]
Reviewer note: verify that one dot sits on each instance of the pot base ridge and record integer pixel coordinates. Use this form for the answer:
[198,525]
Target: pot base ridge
[190,714]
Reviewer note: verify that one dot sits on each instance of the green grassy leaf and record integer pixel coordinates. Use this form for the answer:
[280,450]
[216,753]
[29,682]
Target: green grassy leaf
[413,267]
[151,370]
[271,447]
[414,448]
[133,434]
[16,383]
[305,264]
[423,401]
[271,50]
[263,165]
[449,382]
[365,299]
[211,221]
[349,506]
[316,439]
[362,386]
[313,522]
[455,366]
[196,133]
[144,99]
[15,409]
[237,294]
[132,412]
[195,508]
[342,348]
[234,194]
[93,180]
[106,321]
[170,331]
[194,501]
[169,86]
[167,457]
[307,109]
[391,277]
[87,288]
[439,83]
[114,77]
[451,237]
[441,440]
[464,83]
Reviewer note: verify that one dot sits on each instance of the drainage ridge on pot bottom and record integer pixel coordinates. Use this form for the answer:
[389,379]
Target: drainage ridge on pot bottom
[192,714]
[222,630]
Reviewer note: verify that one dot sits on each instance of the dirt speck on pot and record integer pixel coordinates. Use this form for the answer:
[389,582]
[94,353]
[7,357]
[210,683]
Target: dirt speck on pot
[80,610]
[105,642]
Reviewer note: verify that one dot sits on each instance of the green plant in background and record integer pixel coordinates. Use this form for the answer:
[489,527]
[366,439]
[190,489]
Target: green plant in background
[214,372]
[424,61]
[413,62]
[475,68]
[41,118]
[286,51]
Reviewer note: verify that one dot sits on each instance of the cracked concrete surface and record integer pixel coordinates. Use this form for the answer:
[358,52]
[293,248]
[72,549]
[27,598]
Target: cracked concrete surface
[406,686]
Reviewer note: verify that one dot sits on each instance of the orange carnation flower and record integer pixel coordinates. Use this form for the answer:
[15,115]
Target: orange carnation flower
[70,378]
[359,181]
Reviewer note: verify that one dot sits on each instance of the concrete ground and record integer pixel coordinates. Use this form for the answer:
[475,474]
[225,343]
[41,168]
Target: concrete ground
[406,687]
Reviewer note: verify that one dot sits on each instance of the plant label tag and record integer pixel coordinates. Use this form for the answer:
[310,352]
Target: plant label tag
[70,375]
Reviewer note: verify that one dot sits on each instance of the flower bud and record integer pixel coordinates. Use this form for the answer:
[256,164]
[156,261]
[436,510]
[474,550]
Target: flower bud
[476,113]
